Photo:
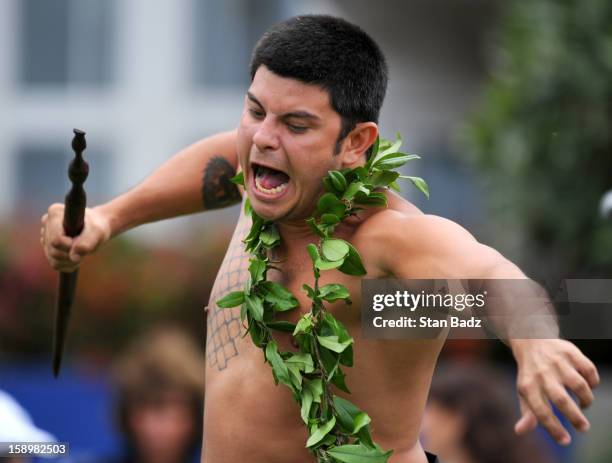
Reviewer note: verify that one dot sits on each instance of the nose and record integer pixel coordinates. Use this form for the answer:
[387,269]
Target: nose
[266,136]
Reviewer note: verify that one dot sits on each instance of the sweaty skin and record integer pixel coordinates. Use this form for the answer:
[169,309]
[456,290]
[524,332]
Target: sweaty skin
[248,417]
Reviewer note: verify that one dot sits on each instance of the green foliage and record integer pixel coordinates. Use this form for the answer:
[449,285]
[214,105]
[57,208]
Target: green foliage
[543,137]
[338,430]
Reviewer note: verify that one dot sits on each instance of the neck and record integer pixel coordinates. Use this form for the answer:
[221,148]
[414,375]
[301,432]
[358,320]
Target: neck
[295,235]
[295,230]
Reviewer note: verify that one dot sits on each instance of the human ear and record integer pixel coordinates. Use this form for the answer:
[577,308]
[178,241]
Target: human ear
[356,144]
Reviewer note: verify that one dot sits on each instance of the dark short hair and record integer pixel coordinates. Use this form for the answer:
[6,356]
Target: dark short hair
[334,54]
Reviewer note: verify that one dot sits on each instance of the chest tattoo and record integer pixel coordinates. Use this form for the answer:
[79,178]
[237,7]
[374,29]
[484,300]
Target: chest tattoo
[223,325]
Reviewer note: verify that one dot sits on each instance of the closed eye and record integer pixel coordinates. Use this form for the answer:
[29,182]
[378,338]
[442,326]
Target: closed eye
[256,113]
[297,128]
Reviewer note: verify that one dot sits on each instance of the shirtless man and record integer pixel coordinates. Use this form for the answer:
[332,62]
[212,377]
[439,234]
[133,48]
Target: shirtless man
[317,87]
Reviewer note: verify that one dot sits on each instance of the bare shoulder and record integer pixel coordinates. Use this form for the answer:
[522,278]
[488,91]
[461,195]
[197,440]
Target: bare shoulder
[405,242]
[403,223]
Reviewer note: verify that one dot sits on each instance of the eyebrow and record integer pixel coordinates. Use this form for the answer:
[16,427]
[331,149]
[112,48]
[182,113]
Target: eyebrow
[292,114]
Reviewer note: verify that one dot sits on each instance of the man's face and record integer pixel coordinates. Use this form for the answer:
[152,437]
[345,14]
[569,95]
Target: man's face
[286,140]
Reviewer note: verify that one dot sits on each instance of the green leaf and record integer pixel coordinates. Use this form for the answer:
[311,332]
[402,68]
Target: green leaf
[346,357]
[393,161]
[238,179]
[362,419]
[257,333]
[385,144]
[334,344]
[328,265]
[316,229]
[315,386]
[394,186]
[279,297]
[385,147]
[257,269]
[233,299]
[337,180]
[365,437]
[306,404]
[351,418]
[347,412]
[338,379]
[269,236]
[352,189]
[320,432]
[255,307]
[247,207]
[243,313]
[383,178]
[393,147]
[251,238]
[351,453]
[303,361]
[344,418]
[329,186]
[373,199]
[333,292]
[419,183]
[332,326]
[352,263]
[329,203]
[309,291]
[295,376]
[304,324]
[374,151]
[330,361]
[279,368]
[330,219]
[313,252]
[282,325]
[334,249]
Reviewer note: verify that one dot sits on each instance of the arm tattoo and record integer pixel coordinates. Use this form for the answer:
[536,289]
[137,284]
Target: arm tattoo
[224,327]
[217,190]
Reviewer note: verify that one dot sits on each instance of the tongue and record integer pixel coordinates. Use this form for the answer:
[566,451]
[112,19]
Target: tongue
[269,178]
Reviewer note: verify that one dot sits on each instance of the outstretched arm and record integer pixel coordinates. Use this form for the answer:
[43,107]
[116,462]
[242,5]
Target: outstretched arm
[435,248]
[193,180]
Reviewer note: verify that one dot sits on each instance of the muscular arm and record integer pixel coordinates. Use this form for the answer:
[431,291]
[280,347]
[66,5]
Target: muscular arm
[193,180]
[432,247]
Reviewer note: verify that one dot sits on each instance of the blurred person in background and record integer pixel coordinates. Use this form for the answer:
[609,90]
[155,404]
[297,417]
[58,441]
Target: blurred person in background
[470,419]
[159,382]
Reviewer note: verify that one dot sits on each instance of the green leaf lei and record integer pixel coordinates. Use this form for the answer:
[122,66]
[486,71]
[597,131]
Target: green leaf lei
[338,430]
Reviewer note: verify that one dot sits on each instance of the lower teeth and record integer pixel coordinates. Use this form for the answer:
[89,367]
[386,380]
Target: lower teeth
[277,189]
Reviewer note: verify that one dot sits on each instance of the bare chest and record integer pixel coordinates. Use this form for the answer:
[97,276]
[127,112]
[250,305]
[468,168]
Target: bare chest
[224,328]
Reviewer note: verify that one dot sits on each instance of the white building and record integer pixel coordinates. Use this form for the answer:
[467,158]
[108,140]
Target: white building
[144,78]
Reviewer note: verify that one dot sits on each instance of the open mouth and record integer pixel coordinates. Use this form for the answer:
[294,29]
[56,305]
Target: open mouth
[269,181]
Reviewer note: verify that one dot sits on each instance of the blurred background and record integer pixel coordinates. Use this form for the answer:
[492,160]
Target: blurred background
[509,103]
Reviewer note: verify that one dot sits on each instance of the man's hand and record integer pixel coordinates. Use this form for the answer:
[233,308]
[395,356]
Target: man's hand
[65,253]
[546,367]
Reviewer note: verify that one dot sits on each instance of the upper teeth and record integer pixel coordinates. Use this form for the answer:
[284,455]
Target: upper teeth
[278,189]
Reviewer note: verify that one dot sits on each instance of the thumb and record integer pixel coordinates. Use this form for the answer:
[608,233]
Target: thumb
[84,244]
[527,421]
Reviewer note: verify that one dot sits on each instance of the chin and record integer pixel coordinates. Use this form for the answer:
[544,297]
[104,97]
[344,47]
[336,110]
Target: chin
[270,212]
